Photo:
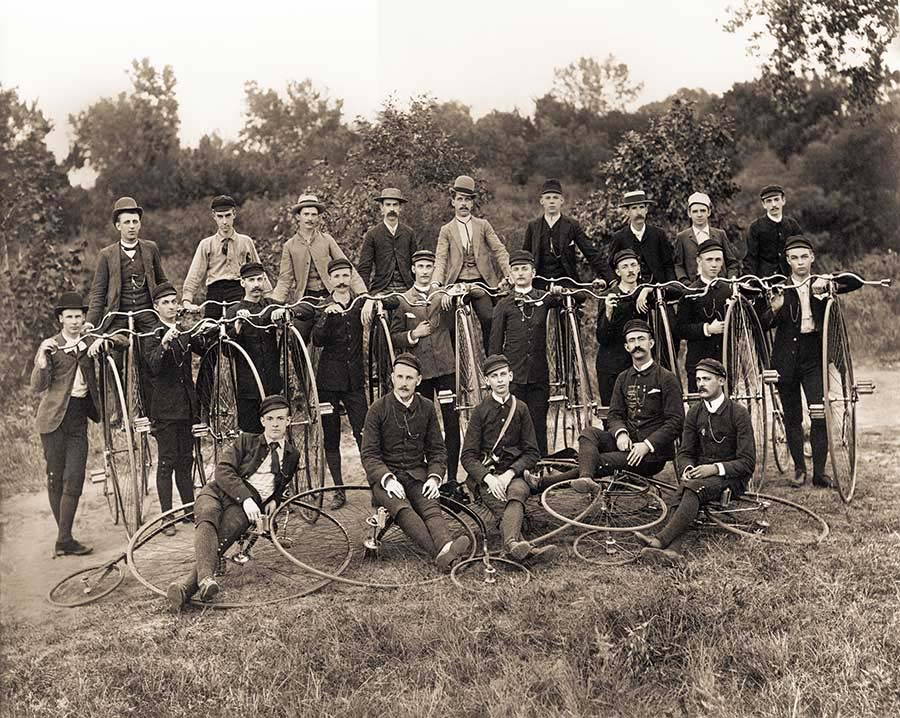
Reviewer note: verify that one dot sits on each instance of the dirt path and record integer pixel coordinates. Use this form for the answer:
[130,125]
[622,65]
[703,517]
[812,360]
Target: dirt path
[27,531]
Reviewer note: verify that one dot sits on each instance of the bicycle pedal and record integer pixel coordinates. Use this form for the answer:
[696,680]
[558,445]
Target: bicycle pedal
[240,558]
[142,425]
[445,396]
[97,476]
[199,430]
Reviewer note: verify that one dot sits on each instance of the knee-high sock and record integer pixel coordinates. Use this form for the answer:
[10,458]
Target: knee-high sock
[818,439]
[68,505]
[440,534]
[206,543]
[333,459]
[684,516]
[184,481]
[511,523]
[164,485]
[55,497]
[415,529]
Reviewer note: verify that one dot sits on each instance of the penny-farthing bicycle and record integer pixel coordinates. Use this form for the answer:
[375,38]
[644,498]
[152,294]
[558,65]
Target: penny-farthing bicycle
[470,382]
[380,354]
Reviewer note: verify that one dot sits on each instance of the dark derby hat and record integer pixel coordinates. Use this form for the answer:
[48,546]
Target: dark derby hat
[251,269]
[521,256]
[637,325]
[624,254]
[713,366]
[339,263]
[796,242]
[223,201]
[70,300]
[493,363]
[711,245]
[770,190]
[126,204]
[411,360]
[551,185]
[273,402]
[162,290]
[423,255]
[391,193]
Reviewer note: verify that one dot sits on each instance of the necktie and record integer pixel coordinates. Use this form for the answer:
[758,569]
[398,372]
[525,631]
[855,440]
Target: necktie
[468,238]
[276,467]
[225,245]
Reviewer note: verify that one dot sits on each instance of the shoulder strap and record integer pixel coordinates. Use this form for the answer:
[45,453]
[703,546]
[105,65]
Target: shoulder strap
[509,418]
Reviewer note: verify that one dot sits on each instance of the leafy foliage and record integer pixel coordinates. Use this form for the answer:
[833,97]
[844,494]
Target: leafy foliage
[598,87]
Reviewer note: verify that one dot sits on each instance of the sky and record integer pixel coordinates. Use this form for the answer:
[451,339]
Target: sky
[489,54]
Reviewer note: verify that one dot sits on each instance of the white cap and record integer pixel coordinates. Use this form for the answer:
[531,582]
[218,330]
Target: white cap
[699,198]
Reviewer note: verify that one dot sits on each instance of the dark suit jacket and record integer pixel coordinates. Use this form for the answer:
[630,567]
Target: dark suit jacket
[733,445]
[106,288]
[381,251]
[765,246]
[612,357]
[434,352]
[341,360]
[56,380]
[571,235]
[519,331]
[240,461]
[655,251]
[693,313]
[173,395]
[484,427]
[685,254]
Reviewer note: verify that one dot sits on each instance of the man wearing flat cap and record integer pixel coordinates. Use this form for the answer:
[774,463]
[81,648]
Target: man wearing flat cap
[650,243]
[250,480]
[126,273]
[553,237]
[422,326]
[64,374]
[689,241]
[218,260]
[340,375]
[173,405]
[405,460]
[469,250]
[305,257]
[768,234]
[797,313]
[253,315]
[500,447]
[386,255]
[717,454]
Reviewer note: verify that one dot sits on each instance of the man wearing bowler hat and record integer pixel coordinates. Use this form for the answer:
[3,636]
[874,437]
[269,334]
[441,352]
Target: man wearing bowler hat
[218,260]
[553,237]
[305,257]
[386,255]
[717,454]
[250,480]
[65,375]
[768,234]
[689,241]
[650,243]
[126,273]
[469,250]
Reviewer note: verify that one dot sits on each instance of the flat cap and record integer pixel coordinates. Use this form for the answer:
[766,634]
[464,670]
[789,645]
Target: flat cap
[339,263]
[770,190]
[637,325]
[796,242]
[223,201]
[162,290]
[423,255]
[552,185]
[493,363]
[711,245]
[521,256]
[411,360]
[699,198]
[713,366]
[624,254]
[272,402]
[251,269]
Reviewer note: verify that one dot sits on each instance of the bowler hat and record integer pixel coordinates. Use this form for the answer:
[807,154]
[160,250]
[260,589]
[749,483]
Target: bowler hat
[713,366]
[699,198]
[464,185]
[493,363]
[307,200]
[126,204]
[162,290]
[410,360]
[711,245]
[521,256]
[423,255]
[339,263]
[252,269]
[391,193]
[70,300]
[624,254]
[770,190]
[797,241]
[223,201]
[637,325]
[637,196]
[551,185]
[272,402]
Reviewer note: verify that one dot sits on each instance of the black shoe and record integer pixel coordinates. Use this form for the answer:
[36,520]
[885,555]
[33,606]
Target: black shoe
[72,548]
[550,552]
[662,556]
[799,478]
[585,486]
[176,593]
[452,552]
[338,499]
[650,541]
[169,530]
[823,482]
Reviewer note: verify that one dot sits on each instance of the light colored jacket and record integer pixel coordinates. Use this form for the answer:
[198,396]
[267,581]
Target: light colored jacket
[486,245]
[296,256]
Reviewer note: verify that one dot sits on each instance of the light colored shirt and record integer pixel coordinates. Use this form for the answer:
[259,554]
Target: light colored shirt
[392,230]
[522,290]
[807,323]
[130,250]
[464,232]
[639,234]
[774,219]
[701,234]
[712,407]
[263,480]
[79,385]
[212,264]
[499,400]
[550,222]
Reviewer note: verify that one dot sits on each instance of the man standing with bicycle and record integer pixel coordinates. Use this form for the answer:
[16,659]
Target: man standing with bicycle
[768,234]
[420,325]
[386,254]
[618,308]
[65,375]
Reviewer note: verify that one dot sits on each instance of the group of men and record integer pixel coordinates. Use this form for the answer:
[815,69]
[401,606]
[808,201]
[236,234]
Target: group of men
[407,459]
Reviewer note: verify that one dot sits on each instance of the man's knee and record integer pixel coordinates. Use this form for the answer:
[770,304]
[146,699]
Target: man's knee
[518,490]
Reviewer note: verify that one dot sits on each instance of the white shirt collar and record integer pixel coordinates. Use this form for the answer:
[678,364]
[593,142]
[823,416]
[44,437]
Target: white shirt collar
[422,290]
[392,232]
[280,444]
[552,222]
[701,232]
[636,233]
[776,221]
[713,406]
[499,400]
[799,283]
[128,247]
[521,290]
[407,404]
[644,366]
[463,221]
[704,279]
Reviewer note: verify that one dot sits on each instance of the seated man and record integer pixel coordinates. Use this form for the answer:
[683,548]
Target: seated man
[404,458]
[717,453]
[645,417]
[500,445]
[250,479]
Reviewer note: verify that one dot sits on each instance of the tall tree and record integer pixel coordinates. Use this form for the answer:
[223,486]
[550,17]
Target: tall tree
[598,87]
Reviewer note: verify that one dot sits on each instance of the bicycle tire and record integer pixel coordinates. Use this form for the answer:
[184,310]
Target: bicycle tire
[752,515]
[87,585]
[499,573]
[468,370]
[156,560]
[120,460]
[840,397]
[664,347]
[618,506]
[607,548]
[380,358]
[395,563]
[580,393]
[778,436]
[560,432]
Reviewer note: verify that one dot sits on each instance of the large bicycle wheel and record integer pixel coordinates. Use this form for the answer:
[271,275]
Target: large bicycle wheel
[562,430]
[578,383]
[468,368]
[252,571]
[607,548]
[769,518]
[120,452]
[137,403]
[88,584]
[381,554]
[305,427]
[204,464]
[381,357]
[777,433]
[840,396]
[745,359]
[664,350]
[617,506]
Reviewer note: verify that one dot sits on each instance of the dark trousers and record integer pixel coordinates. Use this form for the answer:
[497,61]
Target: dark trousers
[354,402]
[598,455]
[429,388]
[419,517]
[537,399]
[305,326]
[225,290]
[808,376]
[175,444]
[606,381]
[65,451]
[218,524]
[511,512]
[693,494]
[484,310]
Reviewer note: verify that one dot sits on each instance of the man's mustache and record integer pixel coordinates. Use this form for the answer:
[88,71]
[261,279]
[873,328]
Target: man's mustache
[393,213]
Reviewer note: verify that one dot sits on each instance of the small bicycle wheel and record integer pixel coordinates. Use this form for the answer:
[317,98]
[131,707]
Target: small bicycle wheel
[381,554]
[468,368]
[253,572]
[617,505]
[489,572]
[745,359]
[769,518]
[840,397]
[607,548]
[380,356]
[88,584]
[120,448]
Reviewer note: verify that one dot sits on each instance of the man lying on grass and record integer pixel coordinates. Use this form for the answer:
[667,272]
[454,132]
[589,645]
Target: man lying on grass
[717,452]
[249,483]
